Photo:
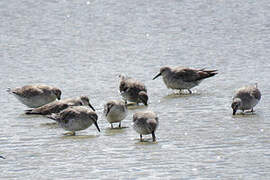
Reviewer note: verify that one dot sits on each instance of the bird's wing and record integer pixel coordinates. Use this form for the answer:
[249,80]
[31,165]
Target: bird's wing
[190,75]
[67,115]
[186,74]
[27,91]
[152,124]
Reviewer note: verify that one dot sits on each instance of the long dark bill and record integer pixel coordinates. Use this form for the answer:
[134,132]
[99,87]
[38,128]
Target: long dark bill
[157,76]
[108,110]
[91,107]
[97,126]
[234,111]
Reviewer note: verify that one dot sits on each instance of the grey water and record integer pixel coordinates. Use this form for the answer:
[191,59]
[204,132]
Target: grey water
[82,46]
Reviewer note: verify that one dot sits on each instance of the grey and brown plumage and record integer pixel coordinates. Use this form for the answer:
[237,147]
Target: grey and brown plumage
[76,118]
[145,122]
[133,90]
[35,96]
[115,111]
[79,101]
[246,98]
[57,106]
[183,78]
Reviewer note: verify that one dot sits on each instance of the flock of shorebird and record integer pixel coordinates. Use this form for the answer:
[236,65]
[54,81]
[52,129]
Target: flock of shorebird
[74,115]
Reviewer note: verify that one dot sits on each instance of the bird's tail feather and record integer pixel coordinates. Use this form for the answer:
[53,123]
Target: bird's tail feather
[31,111]
[53,116]
[207,73]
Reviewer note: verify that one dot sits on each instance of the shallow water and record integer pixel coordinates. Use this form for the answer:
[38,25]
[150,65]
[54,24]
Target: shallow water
[82,47]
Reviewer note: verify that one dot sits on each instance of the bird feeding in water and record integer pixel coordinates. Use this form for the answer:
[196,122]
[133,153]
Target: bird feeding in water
[57,106]
[145,122]
[115,111]
[76,118]
[133,90]
[246,98]
[35,96]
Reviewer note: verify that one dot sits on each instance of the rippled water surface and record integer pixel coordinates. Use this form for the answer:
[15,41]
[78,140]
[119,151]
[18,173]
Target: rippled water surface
[82,46]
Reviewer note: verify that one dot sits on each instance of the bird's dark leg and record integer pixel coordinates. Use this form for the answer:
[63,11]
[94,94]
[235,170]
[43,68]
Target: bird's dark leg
[153,136]
[111,125]
[141,138]
[120,124]
[2,157]
[252,111]
[190,92]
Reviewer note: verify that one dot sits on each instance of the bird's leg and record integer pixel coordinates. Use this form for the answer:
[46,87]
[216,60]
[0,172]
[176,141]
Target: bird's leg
[153,136]
[141,138]
[111,125]
[2,157]
[120,124]
[190,92]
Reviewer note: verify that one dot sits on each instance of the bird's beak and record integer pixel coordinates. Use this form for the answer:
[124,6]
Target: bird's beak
[145,103]
[108,110]
[234,111]
[97,126]
[91,107]
[157,76]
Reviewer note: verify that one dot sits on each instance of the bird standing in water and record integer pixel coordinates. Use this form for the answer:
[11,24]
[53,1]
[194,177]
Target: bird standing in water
[57,106]
[133,90]
[35,96]
[76,118]
[246,98]
[145,122]
[115,111]
[183,78]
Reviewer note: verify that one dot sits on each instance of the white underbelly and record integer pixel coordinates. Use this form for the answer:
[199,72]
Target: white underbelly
[116,116]
[35,101]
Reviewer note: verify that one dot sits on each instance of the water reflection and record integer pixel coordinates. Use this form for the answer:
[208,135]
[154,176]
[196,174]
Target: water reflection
[78,136]
[244,115]
[180,95]
[51,125]
[134,106]
[145,141]
[115,131]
